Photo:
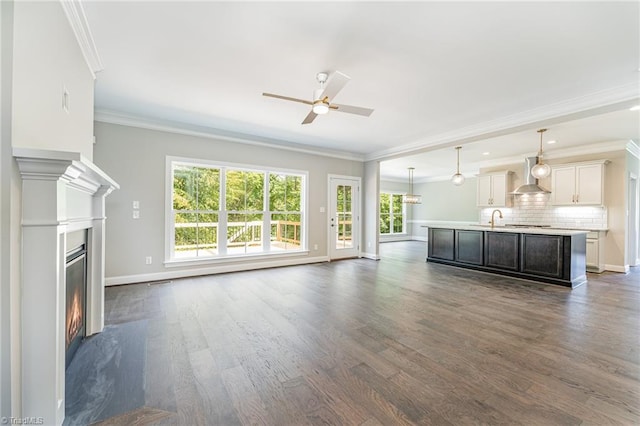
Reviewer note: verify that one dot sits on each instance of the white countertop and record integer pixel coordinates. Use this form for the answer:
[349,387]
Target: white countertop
[502,228]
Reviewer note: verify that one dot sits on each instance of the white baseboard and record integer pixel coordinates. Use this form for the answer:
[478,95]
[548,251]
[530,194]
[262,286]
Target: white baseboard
[236,267]
[617,268]
[418,238]
[371,256]
[392,238]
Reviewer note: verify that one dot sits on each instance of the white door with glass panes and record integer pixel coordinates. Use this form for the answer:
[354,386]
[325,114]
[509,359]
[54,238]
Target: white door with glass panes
[344,217]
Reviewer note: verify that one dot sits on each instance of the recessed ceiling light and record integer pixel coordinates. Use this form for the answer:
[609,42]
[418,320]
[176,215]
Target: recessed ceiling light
[635,108]
[551,142]
[486,153]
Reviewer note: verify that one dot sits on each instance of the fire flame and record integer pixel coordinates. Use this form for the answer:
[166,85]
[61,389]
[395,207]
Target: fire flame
[74,318]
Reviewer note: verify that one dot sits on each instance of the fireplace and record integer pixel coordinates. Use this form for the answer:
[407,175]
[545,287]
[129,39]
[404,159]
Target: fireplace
[76,291]
[63,243]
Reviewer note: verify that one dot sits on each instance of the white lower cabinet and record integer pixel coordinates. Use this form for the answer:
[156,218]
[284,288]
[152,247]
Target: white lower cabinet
[595,251]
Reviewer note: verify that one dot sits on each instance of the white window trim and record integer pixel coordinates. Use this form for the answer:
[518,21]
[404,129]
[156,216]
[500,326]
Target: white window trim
[404,215]
[169,261]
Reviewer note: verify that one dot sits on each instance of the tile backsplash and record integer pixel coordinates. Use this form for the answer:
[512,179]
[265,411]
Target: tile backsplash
[537,210]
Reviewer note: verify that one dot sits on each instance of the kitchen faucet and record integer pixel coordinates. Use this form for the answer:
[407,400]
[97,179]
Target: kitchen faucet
[493,220]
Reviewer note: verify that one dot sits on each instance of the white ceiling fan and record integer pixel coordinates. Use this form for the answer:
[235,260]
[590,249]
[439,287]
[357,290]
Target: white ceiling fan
[330,85]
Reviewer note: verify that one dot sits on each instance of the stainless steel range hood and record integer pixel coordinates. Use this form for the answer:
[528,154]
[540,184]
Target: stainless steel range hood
[530,185]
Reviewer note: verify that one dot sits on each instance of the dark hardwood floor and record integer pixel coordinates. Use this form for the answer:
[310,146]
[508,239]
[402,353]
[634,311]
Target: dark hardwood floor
[399,341]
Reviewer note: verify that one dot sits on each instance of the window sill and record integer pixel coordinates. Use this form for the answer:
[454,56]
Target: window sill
[176,263]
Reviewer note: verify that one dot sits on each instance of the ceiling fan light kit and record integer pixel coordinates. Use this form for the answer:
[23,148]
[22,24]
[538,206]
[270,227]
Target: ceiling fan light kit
[322,97]
[320,104]
[457,179]
[320,107]
[540,170]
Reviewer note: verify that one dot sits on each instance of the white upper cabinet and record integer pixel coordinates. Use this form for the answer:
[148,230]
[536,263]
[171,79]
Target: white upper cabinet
[578,184]
[563,185]
[493,190]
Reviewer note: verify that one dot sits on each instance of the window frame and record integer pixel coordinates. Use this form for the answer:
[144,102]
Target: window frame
[391,215]
[223,256]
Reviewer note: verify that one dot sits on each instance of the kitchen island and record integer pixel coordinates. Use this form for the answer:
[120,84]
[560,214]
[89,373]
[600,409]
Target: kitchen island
[555,256]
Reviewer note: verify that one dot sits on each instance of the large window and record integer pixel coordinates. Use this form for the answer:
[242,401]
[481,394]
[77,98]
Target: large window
[196,210]
[222,210]
[285,211]
[245,211]
[392,214]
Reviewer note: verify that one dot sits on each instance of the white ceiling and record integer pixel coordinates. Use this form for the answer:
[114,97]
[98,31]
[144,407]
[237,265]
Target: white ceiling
[436,73]
[600,133]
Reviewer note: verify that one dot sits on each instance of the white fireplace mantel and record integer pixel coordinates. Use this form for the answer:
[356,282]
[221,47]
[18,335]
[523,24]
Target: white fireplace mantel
[61,192]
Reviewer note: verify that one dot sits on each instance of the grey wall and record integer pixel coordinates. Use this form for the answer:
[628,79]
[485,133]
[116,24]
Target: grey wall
[632,167]
[445,201]
[371,220]
[392,186]
[47,58]
[136,159]
[7,247]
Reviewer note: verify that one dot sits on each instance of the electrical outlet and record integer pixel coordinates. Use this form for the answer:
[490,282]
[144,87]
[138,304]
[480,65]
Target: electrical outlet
[148,260]
[315,247]
[136,204]
[136,214]
[321,209]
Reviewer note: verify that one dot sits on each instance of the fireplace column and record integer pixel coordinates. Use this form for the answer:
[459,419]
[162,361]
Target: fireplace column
[61,192]
[95,267]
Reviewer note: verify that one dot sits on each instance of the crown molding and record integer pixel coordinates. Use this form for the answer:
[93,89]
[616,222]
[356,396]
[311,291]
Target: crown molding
[633,148]
[572,109]
[597,148]
[78,21]
[111,117]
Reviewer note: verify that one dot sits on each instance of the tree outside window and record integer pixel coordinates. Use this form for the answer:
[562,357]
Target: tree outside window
[392,214]
[222,210]
[285,197]
[196,210]
[245,210]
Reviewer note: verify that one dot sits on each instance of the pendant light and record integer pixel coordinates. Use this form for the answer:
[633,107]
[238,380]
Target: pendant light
[457,179]
[411,198]
[540,170]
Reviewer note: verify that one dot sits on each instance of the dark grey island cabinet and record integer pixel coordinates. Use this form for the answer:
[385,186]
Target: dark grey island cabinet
[503,250]
[551,256]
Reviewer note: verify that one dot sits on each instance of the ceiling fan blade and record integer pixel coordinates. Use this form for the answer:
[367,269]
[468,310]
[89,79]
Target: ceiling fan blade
[309,118]
[335,83]
[287,98]
[352,109]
